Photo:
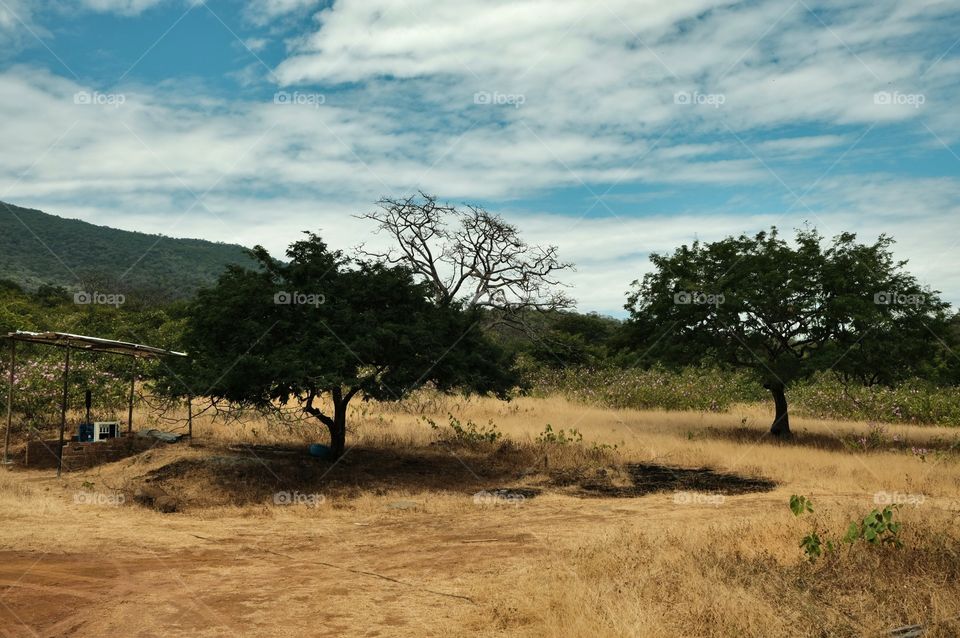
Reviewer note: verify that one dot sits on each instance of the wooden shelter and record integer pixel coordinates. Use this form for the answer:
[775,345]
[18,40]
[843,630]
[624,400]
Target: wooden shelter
[71,342]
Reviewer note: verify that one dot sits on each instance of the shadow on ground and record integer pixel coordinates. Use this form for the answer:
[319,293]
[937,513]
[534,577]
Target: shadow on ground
[854,441]
[244,475]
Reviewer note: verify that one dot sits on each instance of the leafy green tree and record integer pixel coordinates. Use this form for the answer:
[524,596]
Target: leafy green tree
[569,338]
[323,326]
[950,353]
[787,310]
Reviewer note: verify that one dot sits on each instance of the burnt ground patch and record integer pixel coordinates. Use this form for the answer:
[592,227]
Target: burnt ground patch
[648,478]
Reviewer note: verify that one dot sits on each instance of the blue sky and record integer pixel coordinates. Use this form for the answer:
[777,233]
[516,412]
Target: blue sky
[611,128]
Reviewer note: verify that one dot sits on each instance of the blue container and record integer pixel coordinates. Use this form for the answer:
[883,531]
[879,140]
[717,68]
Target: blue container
[319,451]
[86,432]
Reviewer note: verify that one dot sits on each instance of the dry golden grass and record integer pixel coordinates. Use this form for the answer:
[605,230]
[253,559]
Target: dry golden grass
[398,543]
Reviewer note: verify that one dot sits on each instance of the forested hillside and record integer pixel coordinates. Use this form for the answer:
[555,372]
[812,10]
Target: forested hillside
[37,248]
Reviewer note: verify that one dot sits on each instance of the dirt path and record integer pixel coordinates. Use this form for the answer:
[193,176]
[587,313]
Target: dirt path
[400,573]
[216,593]
[377,572]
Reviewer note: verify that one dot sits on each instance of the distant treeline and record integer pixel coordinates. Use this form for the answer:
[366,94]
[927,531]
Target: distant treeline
[909,374]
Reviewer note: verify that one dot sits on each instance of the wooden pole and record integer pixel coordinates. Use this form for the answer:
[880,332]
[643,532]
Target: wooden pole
[133,382]
[190,418]
[63,411]
[6,436]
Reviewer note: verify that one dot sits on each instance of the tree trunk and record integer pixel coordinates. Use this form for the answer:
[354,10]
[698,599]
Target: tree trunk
[781,422]
[338,429]
[336,425]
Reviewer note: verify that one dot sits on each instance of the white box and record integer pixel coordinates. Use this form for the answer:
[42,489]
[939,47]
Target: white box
[103,430]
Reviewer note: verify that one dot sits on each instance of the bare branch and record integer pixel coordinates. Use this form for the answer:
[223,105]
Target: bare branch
[469,256]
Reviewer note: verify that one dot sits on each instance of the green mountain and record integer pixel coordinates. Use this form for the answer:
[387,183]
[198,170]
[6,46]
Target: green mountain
[37,248]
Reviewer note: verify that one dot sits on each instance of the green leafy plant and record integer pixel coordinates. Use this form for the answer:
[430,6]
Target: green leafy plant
[468,433]
[800,504]
[814,547]
[876,528]
[605,447]
[559,437]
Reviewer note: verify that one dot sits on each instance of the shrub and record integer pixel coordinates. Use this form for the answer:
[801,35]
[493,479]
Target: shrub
[876,528]
[465,434]
[560,437]
[38,387]
[709,389]
[656,388]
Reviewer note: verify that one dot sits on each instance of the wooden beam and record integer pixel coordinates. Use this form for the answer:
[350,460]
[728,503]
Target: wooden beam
[63,410]
[133,383]
[6,436]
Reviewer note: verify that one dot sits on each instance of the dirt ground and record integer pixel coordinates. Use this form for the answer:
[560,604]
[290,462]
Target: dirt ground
[383,545]
[370,573]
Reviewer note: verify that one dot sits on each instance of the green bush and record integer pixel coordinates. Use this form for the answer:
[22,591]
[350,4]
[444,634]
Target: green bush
[560,437]
[711,390]
[876,528]
[468,433]
[38,387]
[655,388]
[914,401]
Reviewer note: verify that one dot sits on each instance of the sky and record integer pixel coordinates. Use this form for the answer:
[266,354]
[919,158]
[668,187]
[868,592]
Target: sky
[610,128]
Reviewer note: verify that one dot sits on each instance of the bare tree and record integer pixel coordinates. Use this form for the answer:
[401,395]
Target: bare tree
[469,255]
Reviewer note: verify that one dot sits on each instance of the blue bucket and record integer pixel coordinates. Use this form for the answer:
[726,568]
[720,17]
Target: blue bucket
[319,451]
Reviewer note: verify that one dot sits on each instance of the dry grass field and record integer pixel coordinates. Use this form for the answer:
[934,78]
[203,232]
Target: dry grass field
[393,539]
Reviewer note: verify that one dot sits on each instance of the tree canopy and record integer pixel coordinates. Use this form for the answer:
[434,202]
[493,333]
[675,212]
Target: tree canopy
[788,310]
[325,326]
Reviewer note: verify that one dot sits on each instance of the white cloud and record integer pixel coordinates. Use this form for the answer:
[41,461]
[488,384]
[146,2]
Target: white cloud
[588,103]
[10,16]
[621,64]
[123,7]
[18,27]
[803,145]
[255,44]
[265,11]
